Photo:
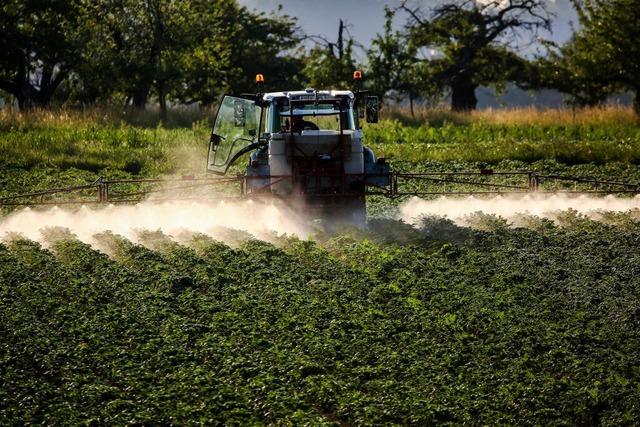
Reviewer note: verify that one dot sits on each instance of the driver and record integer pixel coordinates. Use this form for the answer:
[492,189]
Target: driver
[299,124]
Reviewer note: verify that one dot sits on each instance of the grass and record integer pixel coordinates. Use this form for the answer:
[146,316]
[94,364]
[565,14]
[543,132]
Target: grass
[99,140]
[588,136]
[149,118]
[138,143]
[606,115]
[66,147]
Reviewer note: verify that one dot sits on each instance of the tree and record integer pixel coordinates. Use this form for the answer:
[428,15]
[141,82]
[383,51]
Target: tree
[188,51]
[463,44]
[36,48]
[180,51]
[571,70]
[331,64]
[173,49]
[265,44]
[602,57]
[392,69]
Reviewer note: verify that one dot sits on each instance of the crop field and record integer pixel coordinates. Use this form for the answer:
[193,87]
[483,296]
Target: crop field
[433,318]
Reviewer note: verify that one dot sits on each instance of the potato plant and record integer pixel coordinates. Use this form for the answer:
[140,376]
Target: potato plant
[412,325]
[394,325]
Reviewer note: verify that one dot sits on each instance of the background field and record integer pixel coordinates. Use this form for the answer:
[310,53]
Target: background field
[51,148]
[432,323]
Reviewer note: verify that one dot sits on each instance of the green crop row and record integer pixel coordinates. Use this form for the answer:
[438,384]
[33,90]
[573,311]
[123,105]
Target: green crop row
[439,324]
[492,143]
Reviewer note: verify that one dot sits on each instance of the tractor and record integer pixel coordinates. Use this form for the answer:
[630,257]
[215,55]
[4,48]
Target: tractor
[305,147]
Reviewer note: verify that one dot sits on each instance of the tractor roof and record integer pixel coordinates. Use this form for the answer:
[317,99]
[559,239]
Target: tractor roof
[333,93]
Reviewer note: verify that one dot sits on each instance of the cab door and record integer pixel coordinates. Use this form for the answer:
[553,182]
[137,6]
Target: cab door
[234,132]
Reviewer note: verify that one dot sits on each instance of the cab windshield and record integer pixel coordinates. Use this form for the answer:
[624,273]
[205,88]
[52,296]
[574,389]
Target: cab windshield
[311,114]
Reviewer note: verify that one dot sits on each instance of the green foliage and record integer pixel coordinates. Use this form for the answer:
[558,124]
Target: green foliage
[331,65]
[510,326]
[392,69]
[325,71]
[268,45]
[570,69]
[37,48]
[465,44]
[181,49]
[115,51]
[46,150]
[492,143]
[40,149]
[601,57]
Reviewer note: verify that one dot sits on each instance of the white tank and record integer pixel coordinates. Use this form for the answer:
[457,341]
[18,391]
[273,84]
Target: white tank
[355,165]
[310,143]
[279,164]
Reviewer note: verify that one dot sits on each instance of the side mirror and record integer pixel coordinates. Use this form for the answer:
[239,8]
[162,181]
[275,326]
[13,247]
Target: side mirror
[239,114]
[358,105]
[371,109]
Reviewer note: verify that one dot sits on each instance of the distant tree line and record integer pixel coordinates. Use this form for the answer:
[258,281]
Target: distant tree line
[460,45]
[90,51]
[132,52]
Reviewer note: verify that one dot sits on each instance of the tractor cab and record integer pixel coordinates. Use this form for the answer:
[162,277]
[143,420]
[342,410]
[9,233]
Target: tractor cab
[303,145]
[236,128]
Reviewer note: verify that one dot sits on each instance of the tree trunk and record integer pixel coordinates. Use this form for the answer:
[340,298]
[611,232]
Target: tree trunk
[89,95]
[140,95]
[21,85]
[162,100]
[43,97]
[25,92]
[26,97]
[22,102]
[463,94]
[413,116]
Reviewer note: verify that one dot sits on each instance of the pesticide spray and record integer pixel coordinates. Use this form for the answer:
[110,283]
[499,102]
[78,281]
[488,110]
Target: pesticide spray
[265,220]
[172,218]
[511,207]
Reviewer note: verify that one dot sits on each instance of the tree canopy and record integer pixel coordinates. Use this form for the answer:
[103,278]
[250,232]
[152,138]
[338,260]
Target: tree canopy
[467,43]
[393,70]
[602,56]
[185,52]
[37,48]
[330,64]
[131,52]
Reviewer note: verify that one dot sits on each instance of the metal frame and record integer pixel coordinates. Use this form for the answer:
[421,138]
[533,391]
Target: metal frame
[103,189]
[106,191]
[532,182]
